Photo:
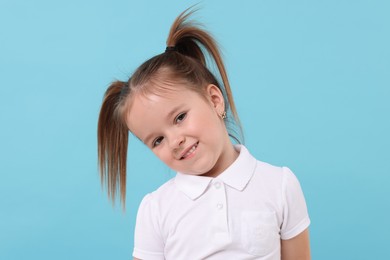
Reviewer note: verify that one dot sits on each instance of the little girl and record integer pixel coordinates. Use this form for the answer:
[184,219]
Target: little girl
[222,203]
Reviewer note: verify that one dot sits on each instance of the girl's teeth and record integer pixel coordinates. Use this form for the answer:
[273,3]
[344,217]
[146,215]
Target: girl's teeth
[190,151]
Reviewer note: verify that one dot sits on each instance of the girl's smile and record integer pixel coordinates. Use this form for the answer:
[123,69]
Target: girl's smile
[189,153]
[183,128]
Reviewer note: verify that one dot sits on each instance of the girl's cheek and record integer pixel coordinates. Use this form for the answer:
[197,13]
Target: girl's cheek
[164,156]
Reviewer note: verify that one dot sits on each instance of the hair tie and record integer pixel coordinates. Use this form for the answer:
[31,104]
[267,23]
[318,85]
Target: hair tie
[170,48]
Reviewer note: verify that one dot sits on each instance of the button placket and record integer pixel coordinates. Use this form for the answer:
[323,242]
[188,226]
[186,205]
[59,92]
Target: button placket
[220,207]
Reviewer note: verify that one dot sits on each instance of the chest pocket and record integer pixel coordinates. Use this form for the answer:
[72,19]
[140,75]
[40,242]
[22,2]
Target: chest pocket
[259,232]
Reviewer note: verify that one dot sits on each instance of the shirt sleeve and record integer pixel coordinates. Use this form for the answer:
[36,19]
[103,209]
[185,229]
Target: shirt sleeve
[148,243]
[295,216]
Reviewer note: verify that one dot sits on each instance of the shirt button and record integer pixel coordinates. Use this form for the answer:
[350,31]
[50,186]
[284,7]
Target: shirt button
[219,206]
[217,185]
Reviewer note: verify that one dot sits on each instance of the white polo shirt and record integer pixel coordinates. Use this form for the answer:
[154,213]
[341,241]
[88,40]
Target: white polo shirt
[241,214]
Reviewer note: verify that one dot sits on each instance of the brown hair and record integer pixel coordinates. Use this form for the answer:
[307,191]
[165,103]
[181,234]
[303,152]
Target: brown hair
[186,59]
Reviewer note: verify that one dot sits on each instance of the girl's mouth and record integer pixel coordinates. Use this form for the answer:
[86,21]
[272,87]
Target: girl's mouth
[190,151]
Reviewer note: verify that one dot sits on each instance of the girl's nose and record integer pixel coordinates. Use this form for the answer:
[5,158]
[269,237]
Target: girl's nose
[178,141]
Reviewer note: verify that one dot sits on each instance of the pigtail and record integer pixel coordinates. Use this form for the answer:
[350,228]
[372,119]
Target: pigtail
[188,39]
[112,142]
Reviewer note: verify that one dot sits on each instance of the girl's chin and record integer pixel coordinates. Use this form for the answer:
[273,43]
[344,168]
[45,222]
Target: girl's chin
[199,169]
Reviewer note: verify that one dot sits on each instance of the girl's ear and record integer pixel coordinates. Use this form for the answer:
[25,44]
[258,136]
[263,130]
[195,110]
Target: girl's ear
[215,95]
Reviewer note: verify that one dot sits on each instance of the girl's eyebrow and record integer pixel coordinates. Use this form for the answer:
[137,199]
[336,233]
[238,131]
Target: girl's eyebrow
[173,111]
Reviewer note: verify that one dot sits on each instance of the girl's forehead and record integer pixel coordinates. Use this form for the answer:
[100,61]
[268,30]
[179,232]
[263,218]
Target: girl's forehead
[162,103]
[164,91]
[159,100]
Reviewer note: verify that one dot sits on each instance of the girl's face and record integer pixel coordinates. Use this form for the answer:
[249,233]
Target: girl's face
[183,129]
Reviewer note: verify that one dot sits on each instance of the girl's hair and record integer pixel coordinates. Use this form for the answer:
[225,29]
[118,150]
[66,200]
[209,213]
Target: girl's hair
[184,61]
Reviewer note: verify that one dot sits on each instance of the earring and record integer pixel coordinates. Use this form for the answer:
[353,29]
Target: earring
[223,115]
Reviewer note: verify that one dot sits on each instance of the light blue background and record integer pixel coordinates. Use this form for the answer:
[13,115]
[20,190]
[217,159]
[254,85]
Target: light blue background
[311,82]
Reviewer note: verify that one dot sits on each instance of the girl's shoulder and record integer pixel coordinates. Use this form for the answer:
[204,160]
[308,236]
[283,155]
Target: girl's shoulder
[163,192]
[272,170]
[277,177]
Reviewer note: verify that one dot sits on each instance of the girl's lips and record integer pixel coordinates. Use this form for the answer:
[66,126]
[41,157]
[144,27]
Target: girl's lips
[189,151]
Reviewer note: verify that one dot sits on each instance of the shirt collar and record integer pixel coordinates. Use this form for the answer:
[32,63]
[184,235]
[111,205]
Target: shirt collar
[236,176]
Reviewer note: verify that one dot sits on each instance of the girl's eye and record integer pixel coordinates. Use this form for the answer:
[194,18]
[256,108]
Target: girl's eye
[157,141]
[180,117]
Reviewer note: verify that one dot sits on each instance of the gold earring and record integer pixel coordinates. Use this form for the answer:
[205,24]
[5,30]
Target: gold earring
[223,115]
